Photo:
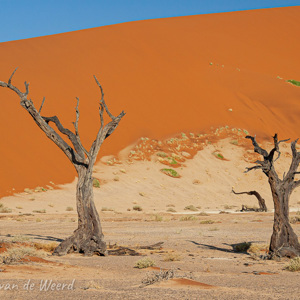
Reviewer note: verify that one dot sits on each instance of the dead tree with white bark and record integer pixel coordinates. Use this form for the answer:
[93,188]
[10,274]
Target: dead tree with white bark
[88,237]
[284,241]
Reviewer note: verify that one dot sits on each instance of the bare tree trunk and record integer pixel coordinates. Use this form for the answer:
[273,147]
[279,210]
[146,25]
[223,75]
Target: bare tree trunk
[284,241]
[88,237]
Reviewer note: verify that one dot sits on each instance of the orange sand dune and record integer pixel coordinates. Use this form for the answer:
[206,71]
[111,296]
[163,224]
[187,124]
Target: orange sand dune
[169,75]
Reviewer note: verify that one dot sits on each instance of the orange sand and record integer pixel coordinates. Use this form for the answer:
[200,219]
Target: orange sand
[159,72]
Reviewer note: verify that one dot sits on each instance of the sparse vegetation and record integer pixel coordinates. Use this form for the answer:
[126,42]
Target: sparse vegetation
[15,254]
[188,218]
[191,208]
[40,211]
[202,213]
[107,209]
[144,263]
[207,222]
[294,265]
[161,154]
[172,256]
[96,183]
[158,218]
[92,285]
[171,209]
[256,248]
[20,238]
[170,172]
[48,247]
[69,208]
[294,82]
[218,155]
[4,209]
[137,208]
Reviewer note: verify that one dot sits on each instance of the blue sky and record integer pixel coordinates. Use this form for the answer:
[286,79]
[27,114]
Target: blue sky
[20,19]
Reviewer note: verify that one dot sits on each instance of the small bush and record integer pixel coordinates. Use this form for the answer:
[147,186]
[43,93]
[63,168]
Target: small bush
[172,256]
[137,208]
[69,208]
[4,209]
[242,247]
[40,211]
[96,183]
[171,209]
[188,218]
[158,218]
[218,155]
[294,265]
[170,172]
[191,207]
[107,209]
[202,213]
[257,248]
[15,254]
[144,263]
[207,222]
[38,220]
[161,154]
[20,238]
[48,247]
[294,82]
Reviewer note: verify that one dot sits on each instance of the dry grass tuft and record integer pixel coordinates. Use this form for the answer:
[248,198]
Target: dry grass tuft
[207,222]
[191,208]
[294,265]
[188,218]
[14,255]
[257,248]
[48,247]
[172,256]
[144,263]
[137,208]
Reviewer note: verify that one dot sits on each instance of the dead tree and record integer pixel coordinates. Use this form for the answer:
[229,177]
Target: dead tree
[284,241]
[261,200]
[88,237]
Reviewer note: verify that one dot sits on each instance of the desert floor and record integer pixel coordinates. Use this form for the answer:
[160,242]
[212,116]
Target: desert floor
[198,245]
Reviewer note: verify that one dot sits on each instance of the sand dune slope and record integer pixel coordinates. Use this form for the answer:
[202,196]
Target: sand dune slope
[169,75]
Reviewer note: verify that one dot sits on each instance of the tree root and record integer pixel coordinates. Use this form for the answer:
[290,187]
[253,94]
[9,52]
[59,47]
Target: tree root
[82,243]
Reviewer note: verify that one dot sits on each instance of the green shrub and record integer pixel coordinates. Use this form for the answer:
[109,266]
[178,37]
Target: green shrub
[96,183]
[170,172]
[294,82]
[144,263]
